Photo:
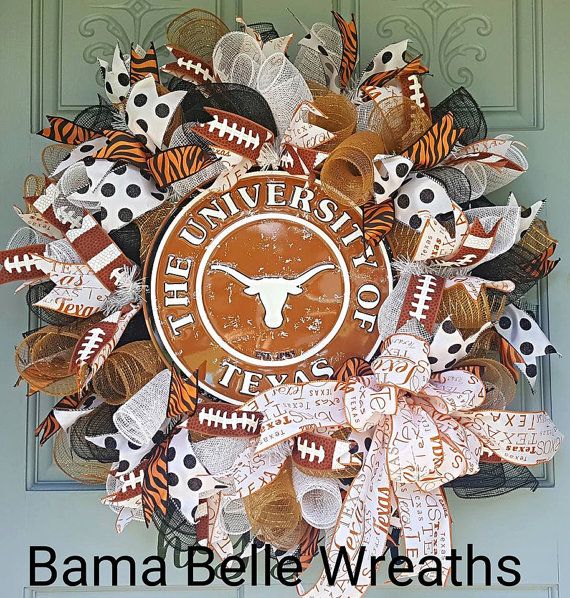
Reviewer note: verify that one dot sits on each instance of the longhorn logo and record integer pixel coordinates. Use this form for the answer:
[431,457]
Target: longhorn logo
[273,290]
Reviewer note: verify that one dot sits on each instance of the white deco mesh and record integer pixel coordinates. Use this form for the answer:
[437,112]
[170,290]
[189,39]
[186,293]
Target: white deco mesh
[485,179]
[228,49]
[510,217]
[477,176]
[26,236]
[142,415]
[74,178]
[319,498]
[308,61]
[284,88]
[245,70]
[234,519]
[218,454]
[363,112]
[389,313]
[61,250]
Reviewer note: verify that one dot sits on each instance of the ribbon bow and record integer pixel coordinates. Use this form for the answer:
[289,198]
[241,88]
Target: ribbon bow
[425,430]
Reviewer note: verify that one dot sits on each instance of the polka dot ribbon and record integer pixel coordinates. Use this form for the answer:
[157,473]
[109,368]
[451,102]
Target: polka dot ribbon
[526,338]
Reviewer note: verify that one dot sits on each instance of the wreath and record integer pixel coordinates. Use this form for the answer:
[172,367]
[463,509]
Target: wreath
[330,231]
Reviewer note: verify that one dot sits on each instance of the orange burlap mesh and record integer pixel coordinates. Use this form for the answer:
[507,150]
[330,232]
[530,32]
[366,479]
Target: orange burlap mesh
[149,223]
[537,238]
[465,312]
[43,357]
[127,370]
[53,154]
[399,121]
[339,111]
[403,240]
[497,303]
[34,185]
[484,345]
[196,31]
[348,173]
[85,472]
[275,514]
[501,388]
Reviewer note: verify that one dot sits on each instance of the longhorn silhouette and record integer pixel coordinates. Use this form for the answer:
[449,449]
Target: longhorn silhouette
[273,290]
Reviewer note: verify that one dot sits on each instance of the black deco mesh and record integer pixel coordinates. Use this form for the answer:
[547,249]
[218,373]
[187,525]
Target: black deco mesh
[479,202]
[136,330]
[510,266]
[47,316]
[193,102]
[466,115]
[128,239]
[184,135]
[455,182]
[98,117]
[241,100]
[96,423]
[266,31]
[494,479]
[174,529]
[231,97]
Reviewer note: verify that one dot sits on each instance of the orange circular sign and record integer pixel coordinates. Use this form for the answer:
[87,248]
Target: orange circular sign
[267,284]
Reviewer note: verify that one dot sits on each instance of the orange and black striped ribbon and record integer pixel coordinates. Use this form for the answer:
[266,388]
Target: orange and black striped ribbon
[308,547]
[183,394]
[353,367]
[349,37]
[50,425]
[434,145]
[542,265]
[378,220]
[178,163]
[415,67]
[509,356]
[155,484]
[65,131]
[126,147]
[142,66]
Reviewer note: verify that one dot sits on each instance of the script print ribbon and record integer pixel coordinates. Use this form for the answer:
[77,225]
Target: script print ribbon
[427,429]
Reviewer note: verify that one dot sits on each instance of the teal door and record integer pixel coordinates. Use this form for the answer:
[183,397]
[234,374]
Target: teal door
[511,54]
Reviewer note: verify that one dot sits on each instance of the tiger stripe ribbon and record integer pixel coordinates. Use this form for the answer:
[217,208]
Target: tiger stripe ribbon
[66,131]
[424,430]
[182,394]
[378,220]
[124,146]
[178,163]
[155,483]
[142,66]
[370,86]
[50,425]
[349,39]
[434,145]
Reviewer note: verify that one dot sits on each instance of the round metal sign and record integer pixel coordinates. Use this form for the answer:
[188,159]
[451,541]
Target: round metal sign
[269,283]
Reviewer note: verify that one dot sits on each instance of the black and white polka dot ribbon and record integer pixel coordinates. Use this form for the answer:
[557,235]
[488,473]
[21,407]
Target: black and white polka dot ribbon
[521,331]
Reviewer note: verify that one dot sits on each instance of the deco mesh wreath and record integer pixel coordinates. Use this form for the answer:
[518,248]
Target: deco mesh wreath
[277,306]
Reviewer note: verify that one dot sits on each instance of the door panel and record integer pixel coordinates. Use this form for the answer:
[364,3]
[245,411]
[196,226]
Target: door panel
[509,53]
